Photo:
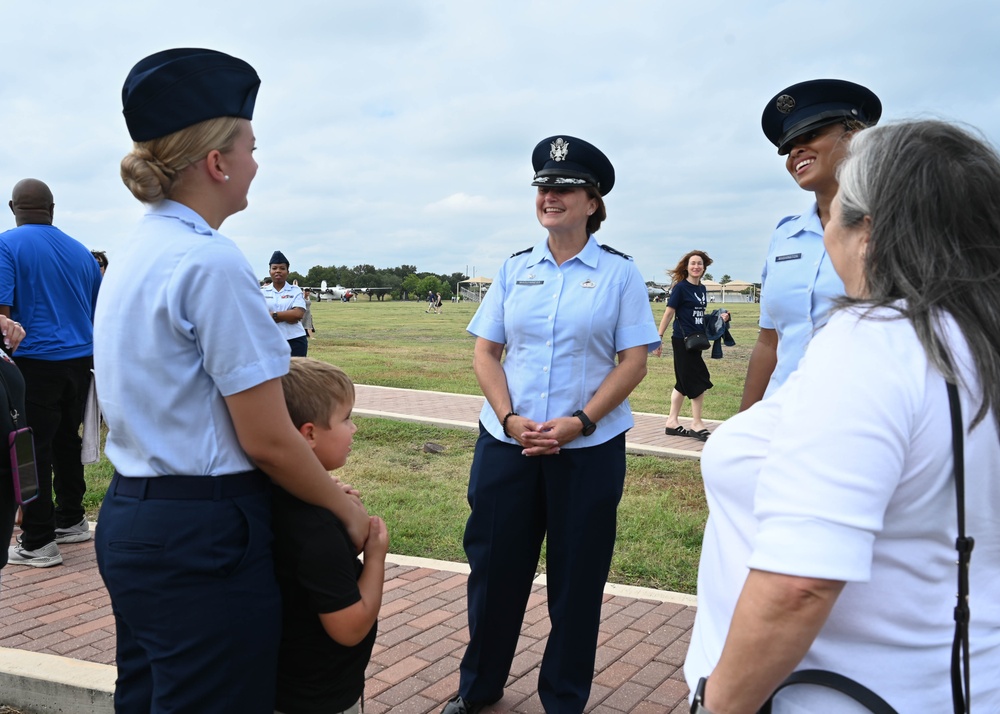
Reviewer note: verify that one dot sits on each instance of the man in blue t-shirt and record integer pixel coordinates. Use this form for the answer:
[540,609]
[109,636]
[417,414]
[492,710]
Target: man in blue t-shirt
[49,283]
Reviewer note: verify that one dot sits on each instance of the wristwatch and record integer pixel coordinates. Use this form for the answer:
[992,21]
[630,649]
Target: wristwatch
[698,703]
[589,427]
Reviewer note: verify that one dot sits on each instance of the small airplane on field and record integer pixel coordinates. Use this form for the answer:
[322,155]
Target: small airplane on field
[656,293]
[339,292]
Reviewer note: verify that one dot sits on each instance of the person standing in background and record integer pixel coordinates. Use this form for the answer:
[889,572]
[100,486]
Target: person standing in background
[307,320]
[49,284]
[286,305]
[102,260]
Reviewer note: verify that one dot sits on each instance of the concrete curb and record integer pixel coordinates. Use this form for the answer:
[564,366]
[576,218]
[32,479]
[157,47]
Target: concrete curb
[47,684]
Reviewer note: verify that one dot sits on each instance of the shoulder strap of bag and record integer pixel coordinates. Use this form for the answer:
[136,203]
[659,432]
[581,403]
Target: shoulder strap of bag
[858,692]
[960,647]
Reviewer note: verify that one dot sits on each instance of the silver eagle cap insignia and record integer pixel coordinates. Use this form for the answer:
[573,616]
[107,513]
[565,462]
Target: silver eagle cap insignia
[560,149]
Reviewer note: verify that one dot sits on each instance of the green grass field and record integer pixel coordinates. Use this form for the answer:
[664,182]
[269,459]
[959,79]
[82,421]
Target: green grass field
[422,496]
[397,344]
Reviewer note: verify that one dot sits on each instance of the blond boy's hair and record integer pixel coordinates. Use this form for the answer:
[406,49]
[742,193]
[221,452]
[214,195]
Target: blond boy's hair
[314,390]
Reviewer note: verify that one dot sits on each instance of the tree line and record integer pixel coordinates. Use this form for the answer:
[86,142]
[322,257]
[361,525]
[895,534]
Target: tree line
[405,282]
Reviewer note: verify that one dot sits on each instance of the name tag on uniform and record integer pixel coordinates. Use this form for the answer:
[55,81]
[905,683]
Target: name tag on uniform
[790,256]
[530,282]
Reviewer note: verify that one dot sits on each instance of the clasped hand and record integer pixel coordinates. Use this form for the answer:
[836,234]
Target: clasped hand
[544,439]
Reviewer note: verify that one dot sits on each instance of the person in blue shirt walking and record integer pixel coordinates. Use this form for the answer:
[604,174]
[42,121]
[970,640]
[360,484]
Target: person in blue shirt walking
[811,123]
[574,320]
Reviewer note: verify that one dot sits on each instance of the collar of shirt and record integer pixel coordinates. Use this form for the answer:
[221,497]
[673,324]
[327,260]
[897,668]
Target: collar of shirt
[588,256]
[807,222]
[171,209]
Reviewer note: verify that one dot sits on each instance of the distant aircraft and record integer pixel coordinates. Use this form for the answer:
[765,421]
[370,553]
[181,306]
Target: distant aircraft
[339,292]
[656,293]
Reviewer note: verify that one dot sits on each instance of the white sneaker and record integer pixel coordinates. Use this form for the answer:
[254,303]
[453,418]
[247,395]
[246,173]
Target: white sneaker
[74,534]
[44,557]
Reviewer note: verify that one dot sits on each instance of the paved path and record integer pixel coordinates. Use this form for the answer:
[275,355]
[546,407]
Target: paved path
[644,633]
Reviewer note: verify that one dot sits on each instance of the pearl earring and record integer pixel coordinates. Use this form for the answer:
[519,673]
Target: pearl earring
[226,177]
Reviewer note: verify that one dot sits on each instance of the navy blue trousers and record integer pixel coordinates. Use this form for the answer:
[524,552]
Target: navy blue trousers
[196,604]
[299,346]
[572,498]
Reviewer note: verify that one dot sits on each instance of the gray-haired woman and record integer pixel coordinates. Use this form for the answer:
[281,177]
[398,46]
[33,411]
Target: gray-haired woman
[831,539]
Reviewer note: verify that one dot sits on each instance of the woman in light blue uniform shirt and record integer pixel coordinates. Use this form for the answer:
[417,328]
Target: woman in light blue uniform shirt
[811,123]
[190,388]
[574,320]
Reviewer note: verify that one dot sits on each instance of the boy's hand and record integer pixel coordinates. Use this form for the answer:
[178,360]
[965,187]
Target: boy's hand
[377,544]
[346,487]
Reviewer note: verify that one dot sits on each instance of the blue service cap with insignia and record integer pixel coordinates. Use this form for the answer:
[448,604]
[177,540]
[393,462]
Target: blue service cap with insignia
[174,89]
[278,257]
[567,162]
[806,106]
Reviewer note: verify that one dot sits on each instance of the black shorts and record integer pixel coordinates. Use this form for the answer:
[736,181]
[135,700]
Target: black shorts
[690,370]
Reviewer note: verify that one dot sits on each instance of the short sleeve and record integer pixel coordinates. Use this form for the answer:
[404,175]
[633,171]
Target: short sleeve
[240,345]
[636,325]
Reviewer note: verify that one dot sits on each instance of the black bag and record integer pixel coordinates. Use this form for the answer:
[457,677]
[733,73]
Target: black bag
[696,342]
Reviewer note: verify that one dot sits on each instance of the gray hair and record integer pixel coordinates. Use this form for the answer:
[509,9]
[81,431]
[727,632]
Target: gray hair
[931,190]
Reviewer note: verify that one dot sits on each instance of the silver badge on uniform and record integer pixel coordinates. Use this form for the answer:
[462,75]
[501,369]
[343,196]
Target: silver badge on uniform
[588,283]
[560,148]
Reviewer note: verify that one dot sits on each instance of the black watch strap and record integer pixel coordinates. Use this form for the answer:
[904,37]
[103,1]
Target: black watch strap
[589,427]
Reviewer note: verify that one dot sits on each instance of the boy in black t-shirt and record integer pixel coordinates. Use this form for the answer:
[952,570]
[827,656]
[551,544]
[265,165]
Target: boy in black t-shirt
[330,601]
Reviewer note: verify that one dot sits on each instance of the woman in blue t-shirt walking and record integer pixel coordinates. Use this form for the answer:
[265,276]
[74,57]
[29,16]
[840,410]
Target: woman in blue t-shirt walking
[686,303]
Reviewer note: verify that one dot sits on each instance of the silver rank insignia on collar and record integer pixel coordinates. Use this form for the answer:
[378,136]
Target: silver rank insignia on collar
[560,148]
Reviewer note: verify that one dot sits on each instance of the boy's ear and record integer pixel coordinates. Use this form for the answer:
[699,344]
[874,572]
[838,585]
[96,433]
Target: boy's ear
[308,431]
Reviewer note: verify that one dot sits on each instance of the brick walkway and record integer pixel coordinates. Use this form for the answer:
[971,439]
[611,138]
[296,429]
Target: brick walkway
[423,630]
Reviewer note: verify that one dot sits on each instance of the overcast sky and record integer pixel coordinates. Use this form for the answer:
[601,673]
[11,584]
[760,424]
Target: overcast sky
[401,132]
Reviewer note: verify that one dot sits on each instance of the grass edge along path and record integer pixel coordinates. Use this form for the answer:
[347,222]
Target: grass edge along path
[422,497]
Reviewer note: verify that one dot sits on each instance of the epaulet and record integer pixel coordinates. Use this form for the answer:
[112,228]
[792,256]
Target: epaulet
[611,250]
[785,220]
[520,252]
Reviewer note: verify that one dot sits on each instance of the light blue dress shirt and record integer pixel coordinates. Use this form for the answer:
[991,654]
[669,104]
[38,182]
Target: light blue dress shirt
[285,299]
[179,326]
[798,287]
[563,327]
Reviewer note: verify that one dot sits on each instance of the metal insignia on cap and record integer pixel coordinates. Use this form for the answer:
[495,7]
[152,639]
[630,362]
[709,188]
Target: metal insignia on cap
[560,148]
[785,104]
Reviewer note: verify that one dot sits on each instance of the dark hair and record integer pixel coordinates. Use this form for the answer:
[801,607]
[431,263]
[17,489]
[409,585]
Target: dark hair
[600,215]
[101,257]
[680,271]
[930,190]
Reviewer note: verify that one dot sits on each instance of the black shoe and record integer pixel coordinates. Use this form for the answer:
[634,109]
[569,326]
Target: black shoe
[460,706]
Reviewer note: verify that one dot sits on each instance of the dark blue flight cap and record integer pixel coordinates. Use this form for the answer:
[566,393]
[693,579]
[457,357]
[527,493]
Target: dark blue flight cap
[278,257]
[175,89]
[806,106]
[567,161]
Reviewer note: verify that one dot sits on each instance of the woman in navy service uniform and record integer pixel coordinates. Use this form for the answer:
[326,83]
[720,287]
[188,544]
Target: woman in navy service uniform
[811,123]
[550,459]
[190,388]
